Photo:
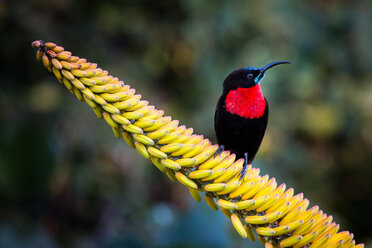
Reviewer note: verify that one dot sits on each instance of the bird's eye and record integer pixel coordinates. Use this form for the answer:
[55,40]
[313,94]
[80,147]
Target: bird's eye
[250,75]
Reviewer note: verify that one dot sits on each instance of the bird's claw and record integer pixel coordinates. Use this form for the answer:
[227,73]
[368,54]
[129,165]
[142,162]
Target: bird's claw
[220,149]
[242,173]
[245,165]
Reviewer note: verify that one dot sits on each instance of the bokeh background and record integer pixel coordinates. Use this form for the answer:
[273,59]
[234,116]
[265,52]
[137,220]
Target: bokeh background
[65,181]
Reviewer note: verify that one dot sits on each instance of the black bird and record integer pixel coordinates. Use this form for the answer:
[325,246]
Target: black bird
[242,112]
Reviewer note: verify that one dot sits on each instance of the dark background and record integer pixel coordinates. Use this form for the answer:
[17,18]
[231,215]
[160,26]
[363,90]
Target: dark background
[65,181]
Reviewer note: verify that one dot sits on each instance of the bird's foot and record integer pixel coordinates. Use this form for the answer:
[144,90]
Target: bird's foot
[220,149]
[245,165]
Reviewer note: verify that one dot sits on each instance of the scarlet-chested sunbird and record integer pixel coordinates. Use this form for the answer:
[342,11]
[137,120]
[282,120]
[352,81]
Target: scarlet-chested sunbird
[242,113]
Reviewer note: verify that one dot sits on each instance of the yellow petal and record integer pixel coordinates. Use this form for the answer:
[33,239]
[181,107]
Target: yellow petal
[210,201]
[306,240]
[186,161]
[171,147]
[111,109]
[200,174]
[226,204]
[132,129]
[185,180]
[156,153]
[170,164]
[129,139]
[238,226]
[213,187]
[291,241]
[250,233]
[264,231]
[157,163]
[195,194]
[146,141]
[120,119]
[230,186]
[142,149]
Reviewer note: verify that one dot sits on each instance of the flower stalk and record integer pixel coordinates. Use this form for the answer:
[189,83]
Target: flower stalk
[279,218]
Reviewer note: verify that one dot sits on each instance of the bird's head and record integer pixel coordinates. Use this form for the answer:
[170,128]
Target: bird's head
[247,77]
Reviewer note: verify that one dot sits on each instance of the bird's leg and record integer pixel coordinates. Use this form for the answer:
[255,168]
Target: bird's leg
[220,149]
[245,165]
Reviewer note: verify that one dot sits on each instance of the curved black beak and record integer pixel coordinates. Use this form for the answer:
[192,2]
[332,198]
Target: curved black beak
[266,67]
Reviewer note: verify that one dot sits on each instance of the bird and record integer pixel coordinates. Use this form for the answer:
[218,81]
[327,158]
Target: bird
[242,113]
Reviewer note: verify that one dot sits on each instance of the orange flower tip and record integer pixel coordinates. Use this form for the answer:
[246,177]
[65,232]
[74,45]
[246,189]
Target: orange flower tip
[37,43]
[283,185]
[268,245]
[242,159]
[50,45]
[51,53]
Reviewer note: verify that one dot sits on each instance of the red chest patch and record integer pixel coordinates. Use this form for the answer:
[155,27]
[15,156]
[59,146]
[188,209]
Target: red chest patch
[246,102]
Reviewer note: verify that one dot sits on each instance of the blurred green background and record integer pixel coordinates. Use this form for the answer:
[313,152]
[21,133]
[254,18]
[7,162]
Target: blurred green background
[65,181]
